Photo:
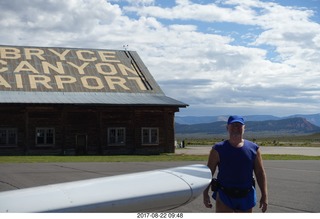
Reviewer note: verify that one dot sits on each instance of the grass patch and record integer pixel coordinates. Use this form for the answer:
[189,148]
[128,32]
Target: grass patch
[288,157]
[133,158]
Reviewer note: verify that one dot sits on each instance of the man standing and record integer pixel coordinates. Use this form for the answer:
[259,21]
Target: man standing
[236,159]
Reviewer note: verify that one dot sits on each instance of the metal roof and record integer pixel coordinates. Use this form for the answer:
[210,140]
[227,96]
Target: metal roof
[77,76]
[88,98]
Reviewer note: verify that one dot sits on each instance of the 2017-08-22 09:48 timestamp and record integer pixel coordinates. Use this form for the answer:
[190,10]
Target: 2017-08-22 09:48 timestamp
[160,215]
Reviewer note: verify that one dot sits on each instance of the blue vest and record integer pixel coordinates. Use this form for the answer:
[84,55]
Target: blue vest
[235,168]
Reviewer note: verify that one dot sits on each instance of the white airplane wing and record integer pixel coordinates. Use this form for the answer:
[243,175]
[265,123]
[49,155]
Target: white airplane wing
[157,190]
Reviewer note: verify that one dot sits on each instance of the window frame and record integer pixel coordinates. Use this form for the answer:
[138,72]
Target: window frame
[116,142]
[7,137]
[150,136]
[45,137]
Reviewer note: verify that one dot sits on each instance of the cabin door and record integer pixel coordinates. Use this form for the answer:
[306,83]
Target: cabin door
[81,144]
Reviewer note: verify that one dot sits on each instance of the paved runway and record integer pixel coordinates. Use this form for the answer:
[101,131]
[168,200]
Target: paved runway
[294,186]
[308,151]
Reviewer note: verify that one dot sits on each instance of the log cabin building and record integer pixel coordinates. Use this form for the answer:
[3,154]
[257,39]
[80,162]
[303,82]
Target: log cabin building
[66,101]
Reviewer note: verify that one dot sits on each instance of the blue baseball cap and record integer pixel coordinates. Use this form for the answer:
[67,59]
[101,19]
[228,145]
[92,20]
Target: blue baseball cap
[233,119]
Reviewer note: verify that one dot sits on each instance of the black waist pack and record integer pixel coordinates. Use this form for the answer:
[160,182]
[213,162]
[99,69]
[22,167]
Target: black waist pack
[235,192]
[232,192]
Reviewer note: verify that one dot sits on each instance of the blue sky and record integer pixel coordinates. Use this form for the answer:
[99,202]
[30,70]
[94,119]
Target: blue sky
[221,57]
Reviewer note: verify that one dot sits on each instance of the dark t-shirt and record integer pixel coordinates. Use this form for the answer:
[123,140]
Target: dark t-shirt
[235,168]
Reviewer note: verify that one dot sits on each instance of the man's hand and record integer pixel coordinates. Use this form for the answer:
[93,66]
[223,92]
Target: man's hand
[206,201]
[263,205]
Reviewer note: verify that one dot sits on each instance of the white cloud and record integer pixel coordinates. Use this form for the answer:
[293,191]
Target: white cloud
[187,45]
[291,37]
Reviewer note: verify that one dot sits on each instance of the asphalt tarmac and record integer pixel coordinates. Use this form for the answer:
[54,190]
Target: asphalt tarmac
[294,186]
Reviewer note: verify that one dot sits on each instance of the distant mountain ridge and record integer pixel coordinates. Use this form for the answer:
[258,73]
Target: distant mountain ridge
[281,126]
[312,118]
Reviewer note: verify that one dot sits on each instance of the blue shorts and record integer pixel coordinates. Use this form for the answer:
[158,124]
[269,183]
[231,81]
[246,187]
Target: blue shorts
[242,204]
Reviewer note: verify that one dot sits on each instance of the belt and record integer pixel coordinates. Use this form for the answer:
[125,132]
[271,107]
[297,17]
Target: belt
[235,192]
[232,192]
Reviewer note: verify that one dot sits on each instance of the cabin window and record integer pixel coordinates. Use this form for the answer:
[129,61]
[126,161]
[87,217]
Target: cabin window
[117,136]
[150,136]
[8,137]
[45,136]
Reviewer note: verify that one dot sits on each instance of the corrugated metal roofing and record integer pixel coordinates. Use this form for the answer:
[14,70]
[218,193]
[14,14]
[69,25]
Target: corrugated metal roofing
[88,98]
